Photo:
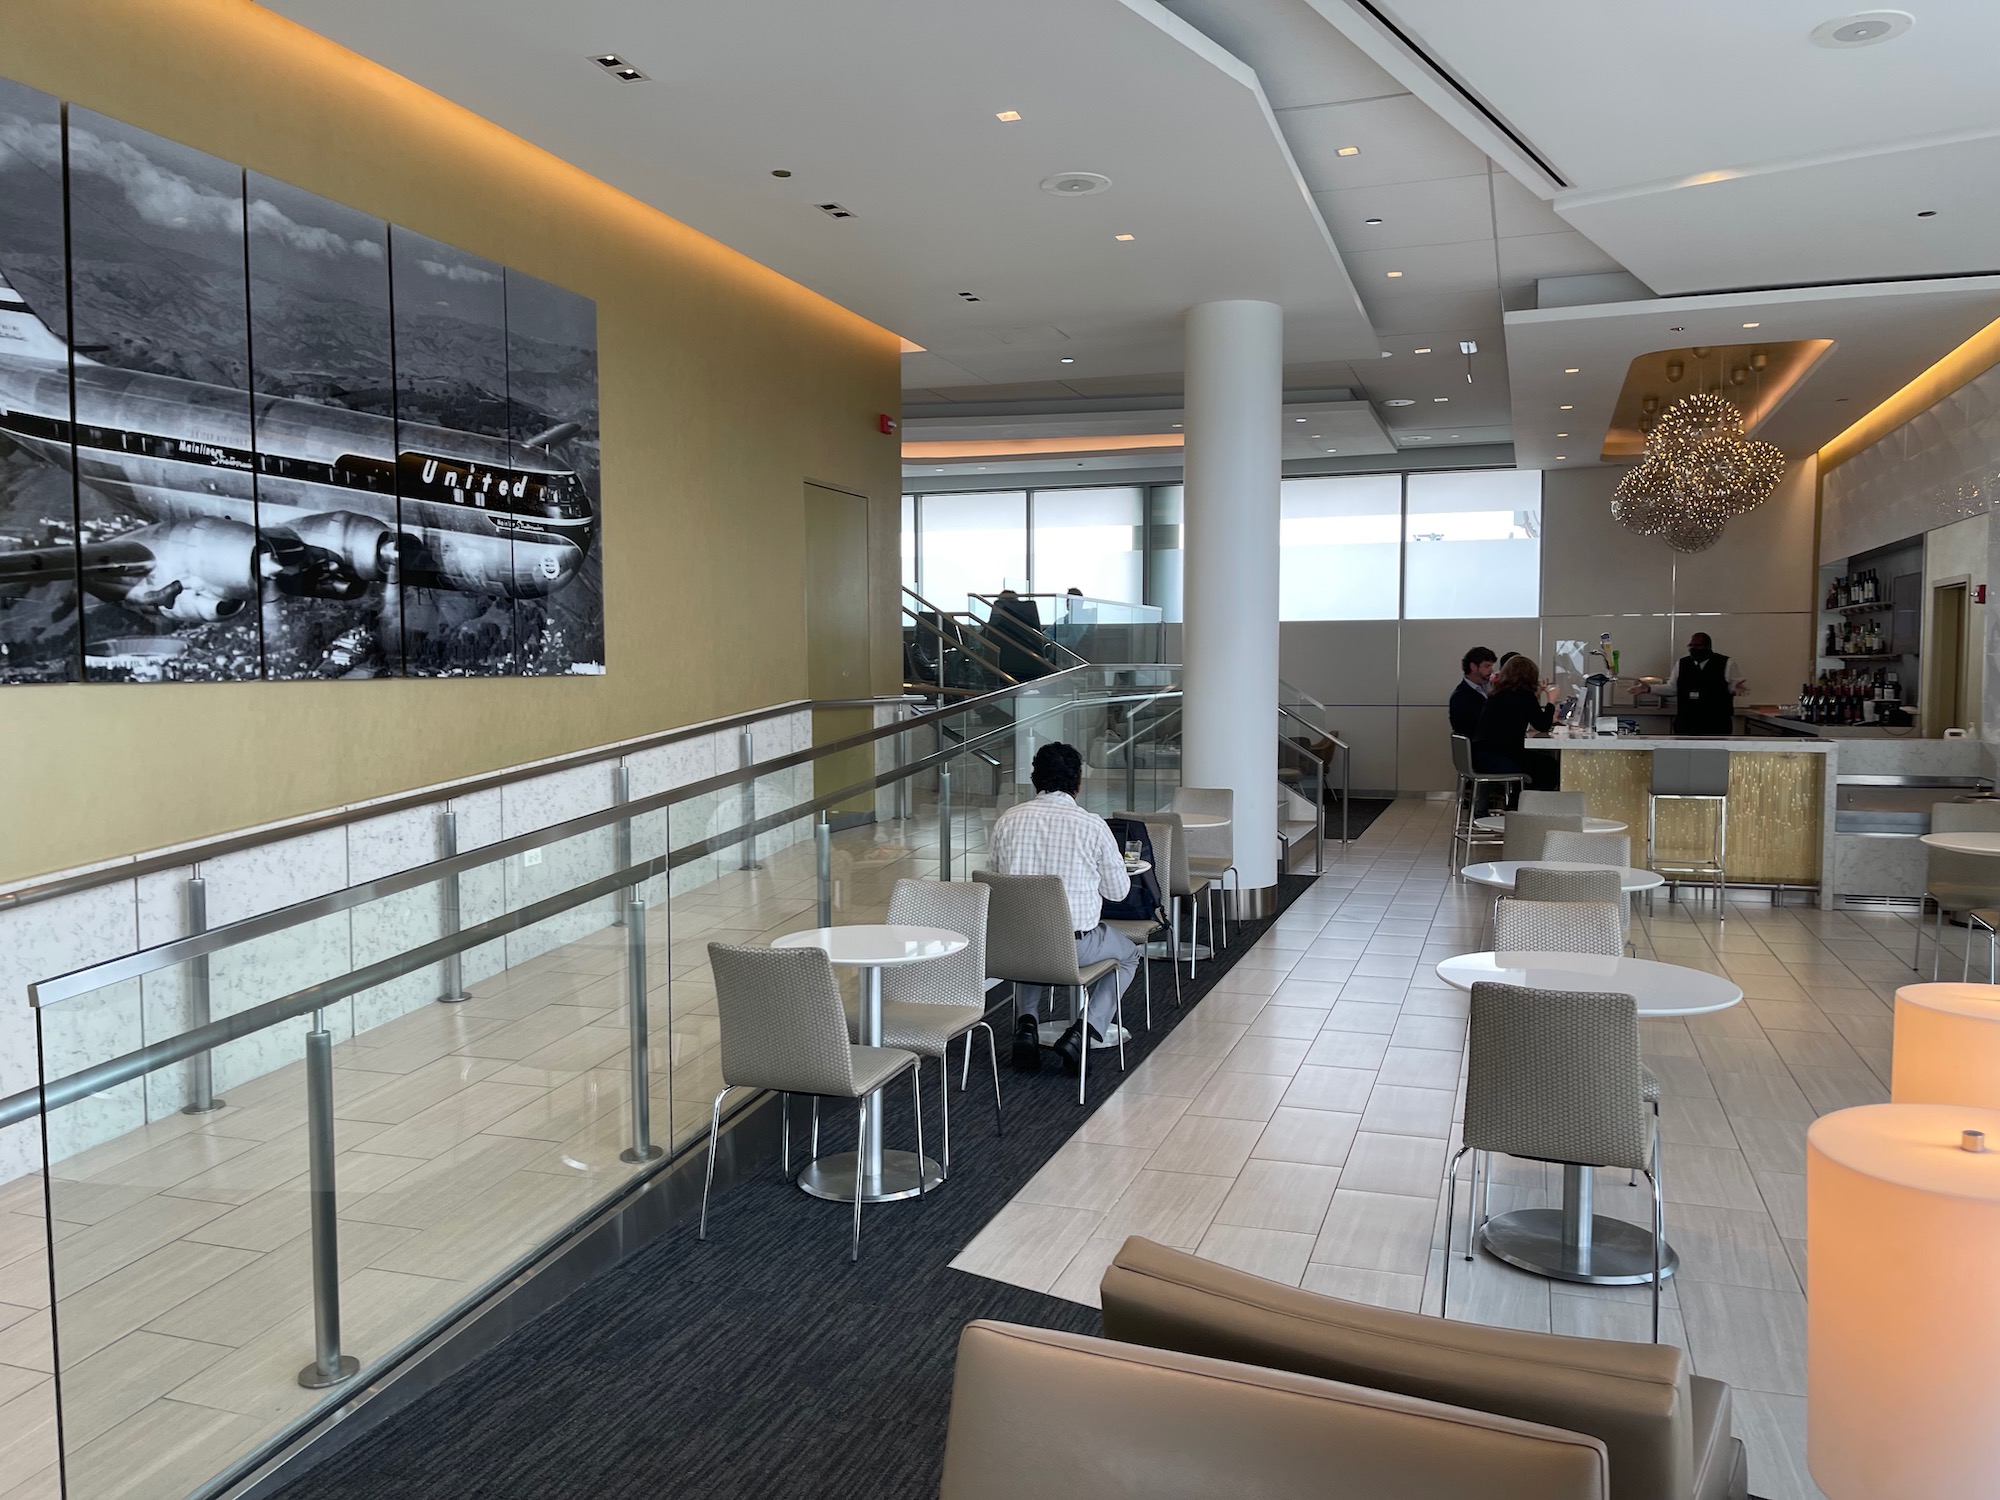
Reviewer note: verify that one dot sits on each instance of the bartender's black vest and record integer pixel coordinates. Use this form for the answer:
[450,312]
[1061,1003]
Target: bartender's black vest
[1702,698]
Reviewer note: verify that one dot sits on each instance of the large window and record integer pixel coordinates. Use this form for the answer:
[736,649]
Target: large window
[1089,540]
[972,544]
[1338,541]
[1473,545]
[1437,545]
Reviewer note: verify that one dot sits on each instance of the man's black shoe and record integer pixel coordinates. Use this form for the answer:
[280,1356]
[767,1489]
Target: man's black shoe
[1069,1047]
[1027,1045]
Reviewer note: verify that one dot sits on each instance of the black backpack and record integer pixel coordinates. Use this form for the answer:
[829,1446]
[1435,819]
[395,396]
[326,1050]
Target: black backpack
[1144,902]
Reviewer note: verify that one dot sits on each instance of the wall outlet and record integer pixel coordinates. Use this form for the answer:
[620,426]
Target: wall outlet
[531,857]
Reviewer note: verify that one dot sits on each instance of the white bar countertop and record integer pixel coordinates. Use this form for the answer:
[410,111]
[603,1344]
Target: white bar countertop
[1735,744]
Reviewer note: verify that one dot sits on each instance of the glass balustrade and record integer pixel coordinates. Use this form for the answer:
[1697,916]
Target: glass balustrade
[285,1147]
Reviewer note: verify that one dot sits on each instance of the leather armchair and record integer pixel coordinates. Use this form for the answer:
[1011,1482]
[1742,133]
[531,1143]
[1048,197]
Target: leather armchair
[1037,1414]
[1667,1432]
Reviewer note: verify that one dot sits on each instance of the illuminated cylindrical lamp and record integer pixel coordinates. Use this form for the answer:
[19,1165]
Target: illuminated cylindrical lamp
[1947,1045]
[1903,1306]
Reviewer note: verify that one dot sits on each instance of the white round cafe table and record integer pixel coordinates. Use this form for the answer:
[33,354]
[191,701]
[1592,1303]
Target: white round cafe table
[1963,843]
[885,1175]
[1137,866]
[1497,823]
[1573,1243]
[1499,873]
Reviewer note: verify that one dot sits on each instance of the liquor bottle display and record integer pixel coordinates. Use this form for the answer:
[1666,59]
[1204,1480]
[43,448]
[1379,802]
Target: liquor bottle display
[1851,697]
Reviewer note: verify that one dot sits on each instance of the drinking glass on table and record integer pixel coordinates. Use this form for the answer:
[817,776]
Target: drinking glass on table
[1132,851]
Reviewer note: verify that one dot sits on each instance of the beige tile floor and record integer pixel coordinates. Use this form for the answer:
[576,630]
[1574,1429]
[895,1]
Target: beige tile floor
[1297,1124]
[467,1135]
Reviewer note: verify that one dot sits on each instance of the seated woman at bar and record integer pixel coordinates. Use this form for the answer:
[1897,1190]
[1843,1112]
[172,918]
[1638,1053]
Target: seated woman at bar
[1515,704]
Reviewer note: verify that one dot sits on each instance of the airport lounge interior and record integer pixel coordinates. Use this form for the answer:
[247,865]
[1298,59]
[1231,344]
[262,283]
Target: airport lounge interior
[1251,754]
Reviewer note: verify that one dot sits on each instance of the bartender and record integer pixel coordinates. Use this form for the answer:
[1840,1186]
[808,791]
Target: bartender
[1704,693]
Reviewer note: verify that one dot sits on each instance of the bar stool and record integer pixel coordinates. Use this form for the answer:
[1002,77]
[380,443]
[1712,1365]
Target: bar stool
[1691,776]
[1470,784]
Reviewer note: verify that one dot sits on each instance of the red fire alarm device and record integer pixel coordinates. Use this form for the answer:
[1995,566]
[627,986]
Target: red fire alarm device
[1979,593]
[887,424]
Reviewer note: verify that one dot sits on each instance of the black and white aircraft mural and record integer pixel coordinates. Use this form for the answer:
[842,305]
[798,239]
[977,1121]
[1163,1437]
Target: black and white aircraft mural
[246,432]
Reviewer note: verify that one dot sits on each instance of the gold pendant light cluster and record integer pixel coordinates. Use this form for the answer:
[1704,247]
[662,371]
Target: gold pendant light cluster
[1699,470]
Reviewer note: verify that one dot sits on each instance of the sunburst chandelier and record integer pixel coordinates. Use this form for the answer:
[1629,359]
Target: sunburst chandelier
[1699,470]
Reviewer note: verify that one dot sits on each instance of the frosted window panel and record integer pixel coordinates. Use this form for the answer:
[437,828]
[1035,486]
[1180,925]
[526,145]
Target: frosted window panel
[1090,540]
[910,543]
[973,544]
[1474,546]
[1163,555]
[1339,540]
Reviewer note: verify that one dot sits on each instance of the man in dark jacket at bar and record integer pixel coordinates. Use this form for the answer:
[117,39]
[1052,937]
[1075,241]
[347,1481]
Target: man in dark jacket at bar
[1468,699]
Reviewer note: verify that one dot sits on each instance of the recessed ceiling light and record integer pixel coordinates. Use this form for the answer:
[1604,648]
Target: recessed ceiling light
[1312,434]
[1561,457]
[618,68]
[1420,438]
[1753,325]
[1393,274]
[1179,424]
[1572,370]
[1678,328]
[1400,401]
[1298,419]
[1121,237]
[1333,450]
[1009,115]
[1863,29]
[1440,399]
[1928,213]
[1066,360]
[1562,434]
[1348,151]
[1567,408]
[1425,350]
[780,172]
[1371,221]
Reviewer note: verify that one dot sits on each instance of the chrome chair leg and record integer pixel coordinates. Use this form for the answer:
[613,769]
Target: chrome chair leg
[992,1056]
[860,1134]
[1917,953]
[944,1109]
[1450,1208]
[1146,969]
[1083,1043]
[965,1068]
[815,1133]
[708,1176]
[785,1134]
[917,1102]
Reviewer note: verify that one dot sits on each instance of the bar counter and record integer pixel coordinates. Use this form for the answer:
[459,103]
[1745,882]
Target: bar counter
[1780,802]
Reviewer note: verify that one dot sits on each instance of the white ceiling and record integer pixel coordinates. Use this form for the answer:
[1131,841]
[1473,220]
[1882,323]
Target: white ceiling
[1221,123]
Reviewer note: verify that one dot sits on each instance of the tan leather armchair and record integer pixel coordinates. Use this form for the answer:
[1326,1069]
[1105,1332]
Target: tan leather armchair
[1667,1432]
[1039,1415]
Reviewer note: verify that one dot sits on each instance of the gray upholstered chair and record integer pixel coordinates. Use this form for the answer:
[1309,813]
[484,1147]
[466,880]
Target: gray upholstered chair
[928,1006]
[1666,1429]
[1613,850]
[1527,832]
[1119,1421]
[1211,852]
[1029,941]
[1555,1076]
[1957,882]
[1471,795]
[783,1029]
[1559,803]
[1557,927]
[1140,929]
[1181,882]
[1576,885]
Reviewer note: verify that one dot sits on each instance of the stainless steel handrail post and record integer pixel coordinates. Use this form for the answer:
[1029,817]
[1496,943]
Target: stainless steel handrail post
[621,833]
[642,1147]
[453,989]
[1346,770]
[944,822]
[201,1069]
[329,1366]
[823,864]
[746,755]
[902,743]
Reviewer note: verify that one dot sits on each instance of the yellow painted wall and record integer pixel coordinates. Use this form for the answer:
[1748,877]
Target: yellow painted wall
[723,385]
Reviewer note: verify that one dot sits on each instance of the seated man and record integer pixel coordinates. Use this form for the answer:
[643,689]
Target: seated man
[1052,835]
[1468,699]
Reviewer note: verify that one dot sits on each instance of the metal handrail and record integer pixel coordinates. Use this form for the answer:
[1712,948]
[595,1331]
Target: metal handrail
[1346,768]
[54,1094]
[234,843]
[945,643]
[92,977]
[1077,657]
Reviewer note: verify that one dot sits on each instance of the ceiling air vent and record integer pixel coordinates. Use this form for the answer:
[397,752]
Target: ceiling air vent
[967,297]
[834,210]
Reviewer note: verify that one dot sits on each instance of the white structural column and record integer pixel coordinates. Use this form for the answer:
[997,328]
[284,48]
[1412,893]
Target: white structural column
[1229,560]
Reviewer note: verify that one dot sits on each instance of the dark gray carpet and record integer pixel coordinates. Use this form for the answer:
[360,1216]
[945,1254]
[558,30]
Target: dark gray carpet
[761,1363]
